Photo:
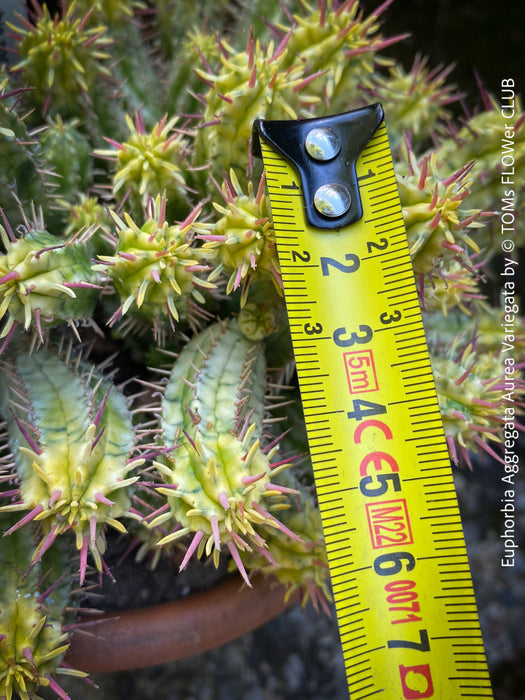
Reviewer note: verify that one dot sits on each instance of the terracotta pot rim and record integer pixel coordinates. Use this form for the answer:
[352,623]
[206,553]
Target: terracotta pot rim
[162,633]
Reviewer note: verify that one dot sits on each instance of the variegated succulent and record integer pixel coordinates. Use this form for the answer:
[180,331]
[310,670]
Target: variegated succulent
[133,218]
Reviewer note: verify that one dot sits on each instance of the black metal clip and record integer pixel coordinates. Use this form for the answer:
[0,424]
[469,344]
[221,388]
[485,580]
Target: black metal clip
[324,151]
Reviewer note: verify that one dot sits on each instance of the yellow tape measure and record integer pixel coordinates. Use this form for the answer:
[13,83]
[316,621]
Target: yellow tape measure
[401,581]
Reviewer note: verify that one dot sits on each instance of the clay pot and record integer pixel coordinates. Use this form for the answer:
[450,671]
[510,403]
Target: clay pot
[162,633]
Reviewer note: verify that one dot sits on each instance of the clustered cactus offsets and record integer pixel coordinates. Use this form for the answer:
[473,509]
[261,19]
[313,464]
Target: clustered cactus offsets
[147,382]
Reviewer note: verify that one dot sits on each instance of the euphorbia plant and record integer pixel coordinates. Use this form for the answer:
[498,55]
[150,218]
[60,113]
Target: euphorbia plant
[133,215]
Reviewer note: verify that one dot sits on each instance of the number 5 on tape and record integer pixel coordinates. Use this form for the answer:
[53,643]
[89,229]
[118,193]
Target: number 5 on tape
[401,581]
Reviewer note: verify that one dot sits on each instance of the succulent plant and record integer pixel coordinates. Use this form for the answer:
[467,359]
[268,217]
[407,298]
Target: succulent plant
[130,202]
[156,270]
[435,218]
[216,474]
[71,436]
[44,281]
[243,238]
[25,180]
[32,642]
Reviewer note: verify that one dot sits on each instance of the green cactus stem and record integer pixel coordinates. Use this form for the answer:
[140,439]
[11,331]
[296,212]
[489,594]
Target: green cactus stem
[156,270]
[65,61]
[216,475]
[32,602]
[335,40]
[471,392]
[436,221]
[249,84]
[44,281]
[71,436]
[148,164]
[243,238]
[25,179]
[297,563]
[67,150]
[415,101]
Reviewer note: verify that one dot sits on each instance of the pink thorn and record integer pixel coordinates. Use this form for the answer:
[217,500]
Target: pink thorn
[100,498]
[451,246]
[435,221]
[238,277]
[26,519]
[114,143]
[127,256]
[106,570]
[238,539]
[57,689]
[488,449]
[193,416]
[173,487]
[57,493]
[274,465]
[100,411]
[246,424]
[465,374]
[45,545]
[452,449]
[10,494]
[482,402]
[275,442]
[211,237]
[250,49]
[139,122]
[191,549]
[215,530]
[97,438]
[281,489]
[151,516]
[41,598]
[155,275]
[382,8]
[8,337]
[304,83]
[223,500]
[192,443]
[13,275]
[247,480]
[32,444]
[423,174]
[313,593]
[266,554]
[161,125]
[237,559]
[253,78]
[8,226]
[83,559]
[323,602]
[279,524]
[282,46]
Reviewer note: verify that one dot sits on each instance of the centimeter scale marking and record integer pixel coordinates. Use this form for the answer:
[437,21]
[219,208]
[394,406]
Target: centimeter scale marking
[402,588]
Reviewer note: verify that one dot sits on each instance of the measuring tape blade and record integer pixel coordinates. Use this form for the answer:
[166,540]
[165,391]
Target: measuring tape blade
[401,581]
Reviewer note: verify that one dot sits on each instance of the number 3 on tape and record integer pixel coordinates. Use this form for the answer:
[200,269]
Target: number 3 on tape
[401,581]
